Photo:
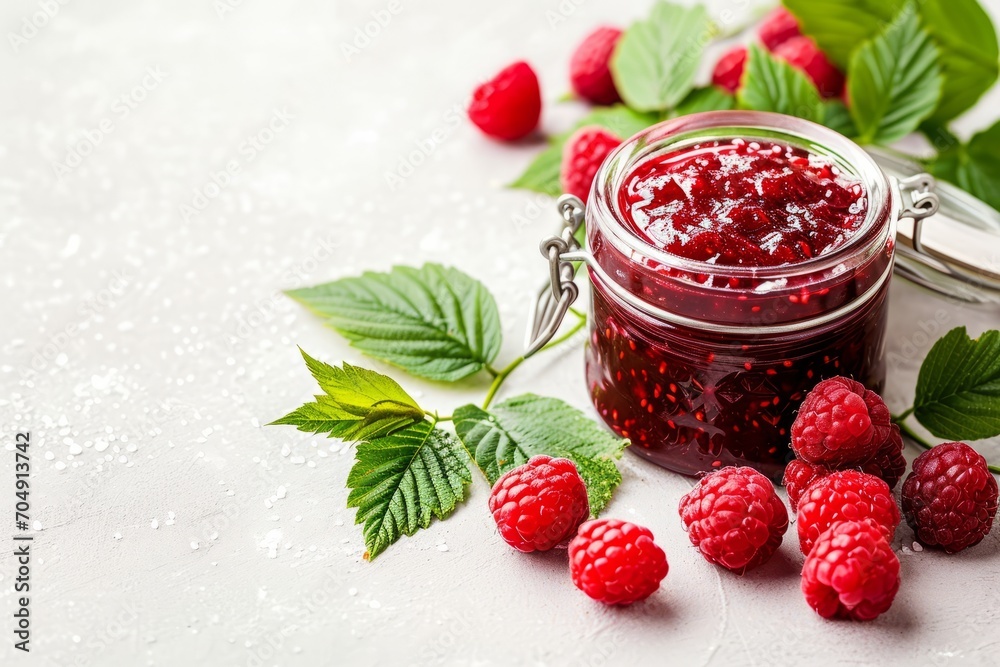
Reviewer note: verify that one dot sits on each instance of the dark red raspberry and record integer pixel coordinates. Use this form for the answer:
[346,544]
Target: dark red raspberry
[735,518]
[777,28]
[851,573]
[802,53]
[616,562]
[841,424]
[845,495]
[729,70]
[509,105]
[588,68]
[539,504]
[798,476]
[950,498]
[582,155]
[889,465]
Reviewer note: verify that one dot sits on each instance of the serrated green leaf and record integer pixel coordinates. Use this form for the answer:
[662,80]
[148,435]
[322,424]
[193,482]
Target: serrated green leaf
[359,404]
[403,481]
[709,98]
[894,81]
[435,321]
[770,84]
[656,59]
[973,166]
[839,26]
[958,388]
[970,57]
[513,431]
[837,117]
[542,175]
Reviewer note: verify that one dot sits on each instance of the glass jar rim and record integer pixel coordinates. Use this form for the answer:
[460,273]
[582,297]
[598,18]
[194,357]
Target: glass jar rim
[849,156]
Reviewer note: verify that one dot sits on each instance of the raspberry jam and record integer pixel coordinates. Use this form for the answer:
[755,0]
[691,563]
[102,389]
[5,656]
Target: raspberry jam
[738,259]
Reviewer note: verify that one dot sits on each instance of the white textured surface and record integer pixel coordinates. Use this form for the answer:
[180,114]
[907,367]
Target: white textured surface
[143,350]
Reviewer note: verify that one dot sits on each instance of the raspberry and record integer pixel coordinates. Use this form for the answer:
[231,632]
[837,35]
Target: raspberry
[588,68]
[777,28]
[729,70]
[583,154]
[841,424]
[539,504]
[851,573]
[616,562]
[734,518]
[845,495]
[888,464]
[509,105]
[798,476]
[950,498]
[802,53]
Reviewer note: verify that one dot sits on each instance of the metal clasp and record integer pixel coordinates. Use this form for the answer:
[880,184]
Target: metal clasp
[923,203]
[549,308]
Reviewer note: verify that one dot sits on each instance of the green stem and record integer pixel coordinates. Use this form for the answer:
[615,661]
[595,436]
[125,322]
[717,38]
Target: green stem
[500,376]
[917,439]
[902,416]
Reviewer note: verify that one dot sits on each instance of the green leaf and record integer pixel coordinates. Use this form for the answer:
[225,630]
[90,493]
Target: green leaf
[974,166]
[542,175]
[894,81]
[839,26]
[837,117]
[402,481]
[359,404]
[970,58]
[709,98]
[435,321]
[517,429]
[655,62]
[770,84]
[958,388]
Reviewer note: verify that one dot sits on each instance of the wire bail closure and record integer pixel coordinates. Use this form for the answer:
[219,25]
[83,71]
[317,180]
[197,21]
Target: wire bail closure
[549,308]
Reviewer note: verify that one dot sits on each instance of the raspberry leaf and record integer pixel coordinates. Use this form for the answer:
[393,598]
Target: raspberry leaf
[402,481]
[542,175]
[958,388]
[973,166]
[839,26]
[513,431]
[656,60]
[970,57]
[358,404]
[837,117]
[435,322]
[894,81]
[709,98]
[770,84]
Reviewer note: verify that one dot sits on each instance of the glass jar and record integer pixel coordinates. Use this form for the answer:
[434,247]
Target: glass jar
[703,373]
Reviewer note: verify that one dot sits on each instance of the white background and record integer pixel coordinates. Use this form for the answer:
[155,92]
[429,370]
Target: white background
[144,349]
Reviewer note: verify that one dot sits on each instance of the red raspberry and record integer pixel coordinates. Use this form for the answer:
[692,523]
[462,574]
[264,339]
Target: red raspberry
[889,465]
[735,518]
[845,495]
[729,70]
[588,68]
[841,424]
[509,105]
[851,573]
[798,476]
[950,498]
[616,562]
[582,155]
[802,53]
[777,28]
[539,504]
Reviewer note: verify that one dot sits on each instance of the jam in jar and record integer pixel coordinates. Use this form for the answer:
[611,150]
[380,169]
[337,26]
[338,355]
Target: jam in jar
[737,259]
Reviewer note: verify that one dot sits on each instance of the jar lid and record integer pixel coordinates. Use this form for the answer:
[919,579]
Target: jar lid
[957,252]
